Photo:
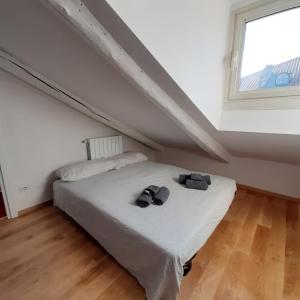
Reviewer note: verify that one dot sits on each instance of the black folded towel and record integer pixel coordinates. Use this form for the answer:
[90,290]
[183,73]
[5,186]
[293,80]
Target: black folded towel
[196,184]
[207,179]
[144,199]
[152,189]
[183,178]
[161,196]
[195,176]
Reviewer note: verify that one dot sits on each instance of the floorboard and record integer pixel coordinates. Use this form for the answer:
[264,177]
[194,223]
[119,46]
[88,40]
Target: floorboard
[253,254]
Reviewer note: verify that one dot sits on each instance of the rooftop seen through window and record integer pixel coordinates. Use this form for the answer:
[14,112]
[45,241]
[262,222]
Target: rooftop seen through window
[271,54]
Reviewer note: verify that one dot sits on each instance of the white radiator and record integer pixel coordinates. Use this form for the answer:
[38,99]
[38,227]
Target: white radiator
[104,147]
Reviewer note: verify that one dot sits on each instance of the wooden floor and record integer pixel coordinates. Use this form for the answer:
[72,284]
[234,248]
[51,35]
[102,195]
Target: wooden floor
[253,254]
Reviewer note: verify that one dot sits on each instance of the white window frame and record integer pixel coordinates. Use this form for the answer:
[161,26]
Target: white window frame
[284,97]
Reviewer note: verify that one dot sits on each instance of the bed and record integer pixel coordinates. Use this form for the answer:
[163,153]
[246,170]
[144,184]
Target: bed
[152,243]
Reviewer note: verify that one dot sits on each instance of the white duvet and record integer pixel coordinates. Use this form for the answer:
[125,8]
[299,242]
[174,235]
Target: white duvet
[153,243]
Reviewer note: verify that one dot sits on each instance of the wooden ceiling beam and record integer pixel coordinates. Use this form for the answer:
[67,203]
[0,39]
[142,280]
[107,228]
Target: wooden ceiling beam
[82,20]
[14,66]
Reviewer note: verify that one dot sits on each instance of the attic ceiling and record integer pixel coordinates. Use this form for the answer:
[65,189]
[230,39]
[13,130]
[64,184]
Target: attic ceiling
[282,148]
[42,40]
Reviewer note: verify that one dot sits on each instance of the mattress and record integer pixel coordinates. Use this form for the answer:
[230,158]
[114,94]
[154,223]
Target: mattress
[152,243]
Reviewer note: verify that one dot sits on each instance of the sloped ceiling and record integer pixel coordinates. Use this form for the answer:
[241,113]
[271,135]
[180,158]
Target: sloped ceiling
[32,33]
[43,41]
[276,147]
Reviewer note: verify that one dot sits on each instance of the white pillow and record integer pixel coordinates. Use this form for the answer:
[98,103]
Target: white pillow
[83,169]
[128,158]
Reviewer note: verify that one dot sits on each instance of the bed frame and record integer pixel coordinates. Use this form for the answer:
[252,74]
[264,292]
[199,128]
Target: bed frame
[104,147]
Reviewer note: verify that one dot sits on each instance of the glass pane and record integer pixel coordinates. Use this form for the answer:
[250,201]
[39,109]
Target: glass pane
[271,57]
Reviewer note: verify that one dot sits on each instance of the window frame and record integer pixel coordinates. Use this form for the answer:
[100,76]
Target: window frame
[286,97]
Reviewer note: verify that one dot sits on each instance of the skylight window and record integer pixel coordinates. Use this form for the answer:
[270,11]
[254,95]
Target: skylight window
[266,52]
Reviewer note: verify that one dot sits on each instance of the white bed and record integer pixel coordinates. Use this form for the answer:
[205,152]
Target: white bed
[153,243]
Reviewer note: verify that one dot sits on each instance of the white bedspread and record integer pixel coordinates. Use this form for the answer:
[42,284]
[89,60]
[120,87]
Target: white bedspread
[153,243]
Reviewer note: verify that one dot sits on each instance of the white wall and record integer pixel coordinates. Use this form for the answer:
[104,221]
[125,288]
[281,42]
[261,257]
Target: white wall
[236,4]
[188,38]
[39,134]
[270,176]
[284,121]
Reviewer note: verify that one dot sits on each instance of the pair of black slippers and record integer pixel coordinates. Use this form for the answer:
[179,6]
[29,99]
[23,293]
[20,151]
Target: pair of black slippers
[153,195]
